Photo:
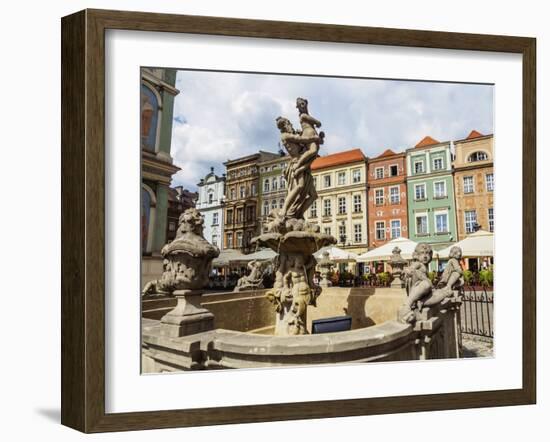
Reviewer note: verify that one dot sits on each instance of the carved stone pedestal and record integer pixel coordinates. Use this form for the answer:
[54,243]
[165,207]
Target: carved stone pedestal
[188,317]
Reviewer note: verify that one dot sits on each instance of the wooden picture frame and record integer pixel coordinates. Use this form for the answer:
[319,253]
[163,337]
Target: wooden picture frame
[83,220]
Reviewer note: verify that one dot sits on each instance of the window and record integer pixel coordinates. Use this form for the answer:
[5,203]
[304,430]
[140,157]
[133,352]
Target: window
[419,167]
[468,184]
[356,176]
[266,208]
[242,192]
[394,195]
[438,163]
[229,219]
[420,191]
[281,203]
[313,210]
[215,240]
[394,170]
[341,205]
[326,181]
[380,227]
[239,239]
[395,228]
[470,221]
[315,182]
[342,234]
[490,182]
[273,204]
[379,197]
[171,226]
[327,231]
[240,215]
[274,184]
[491,220]
[149,118]
[215,217]
[233,194]
[266,185]
[282,183]
[441,225]
[341,178]
[250,213]
[254,189]
[439,189]
[210,198]
[357,206]
[326,208]
[379,173]
[421,224]
[477,156]
[357,233]
[229,240]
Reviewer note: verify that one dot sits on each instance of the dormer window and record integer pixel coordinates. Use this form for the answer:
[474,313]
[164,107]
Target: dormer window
[477,156]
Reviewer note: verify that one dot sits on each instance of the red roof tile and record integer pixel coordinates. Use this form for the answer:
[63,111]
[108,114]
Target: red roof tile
[474,134]
[427,141]
[386,153]
[335,159]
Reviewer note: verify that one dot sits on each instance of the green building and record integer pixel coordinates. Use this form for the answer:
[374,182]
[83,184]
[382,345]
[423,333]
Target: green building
[157,168]
[430,190]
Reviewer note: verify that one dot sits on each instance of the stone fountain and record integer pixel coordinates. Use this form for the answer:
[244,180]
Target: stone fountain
[288,234]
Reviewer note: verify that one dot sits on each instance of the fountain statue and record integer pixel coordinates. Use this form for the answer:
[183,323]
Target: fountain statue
[325,265]
[255,278]
[397,263]
[420,290]
[288,234]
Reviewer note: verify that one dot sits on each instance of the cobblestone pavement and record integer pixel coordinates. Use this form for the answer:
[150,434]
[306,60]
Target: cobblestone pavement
[475,348]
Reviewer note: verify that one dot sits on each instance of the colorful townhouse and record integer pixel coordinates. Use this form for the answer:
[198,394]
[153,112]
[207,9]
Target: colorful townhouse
[387,198]
[272,188]
[341,206]
[430,193]
[474,183]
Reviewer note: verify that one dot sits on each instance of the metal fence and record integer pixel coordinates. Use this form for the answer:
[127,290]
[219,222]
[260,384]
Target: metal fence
[476,312]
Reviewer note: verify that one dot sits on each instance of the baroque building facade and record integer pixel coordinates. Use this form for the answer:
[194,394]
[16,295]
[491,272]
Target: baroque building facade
[241,222]
[157,168]
[430,193]
[341,206]
[474,183]
[387,196]
[272,186]
[210,203]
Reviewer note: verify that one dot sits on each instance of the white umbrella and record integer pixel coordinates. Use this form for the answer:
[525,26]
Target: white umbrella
[384,253]
[226,256]
[336,254]
[260,255]
[478,244]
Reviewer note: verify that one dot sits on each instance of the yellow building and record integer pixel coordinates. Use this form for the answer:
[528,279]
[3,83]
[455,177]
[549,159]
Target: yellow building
[341,207]
[474,183]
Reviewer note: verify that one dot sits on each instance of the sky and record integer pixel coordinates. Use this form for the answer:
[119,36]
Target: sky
[222,115]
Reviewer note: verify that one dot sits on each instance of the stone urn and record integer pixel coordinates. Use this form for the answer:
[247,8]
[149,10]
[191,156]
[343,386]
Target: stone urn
[325,266]
[189,262]
[397,264]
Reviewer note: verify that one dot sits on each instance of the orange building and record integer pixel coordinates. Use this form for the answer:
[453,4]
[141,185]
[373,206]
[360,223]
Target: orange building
[387,196]
[474,183]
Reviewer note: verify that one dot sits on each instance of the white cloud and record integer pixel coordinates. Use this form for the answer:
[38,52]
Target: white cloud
[220,116]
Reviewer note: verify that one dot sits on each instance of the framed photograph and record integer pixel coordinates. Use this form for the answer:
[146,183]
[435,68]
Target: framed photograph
[267,221]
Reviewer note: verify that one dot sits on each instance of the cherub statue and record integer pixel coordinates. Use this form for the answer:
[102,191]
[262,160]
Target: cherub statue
[418,284]
[453,275]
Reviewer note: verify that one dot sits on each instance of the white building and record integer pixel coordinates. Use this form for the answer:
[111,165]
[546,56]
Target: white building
[210,204]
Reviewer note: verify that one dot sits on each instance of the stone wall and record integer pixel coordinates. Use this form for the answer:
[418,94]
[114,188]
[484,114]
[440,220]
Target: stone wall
[435,335]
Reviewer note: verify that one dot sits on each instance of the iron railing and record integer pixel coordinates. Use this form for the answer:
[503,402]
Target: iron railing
[476,312]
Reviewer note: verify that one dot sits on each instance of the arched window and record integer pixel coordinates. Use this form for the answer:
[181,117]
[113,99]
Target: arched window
[266,185]
[149,118]
[274,204]
[210,197]
[282,182]
[274,183]
[281,203]
[148,203]
[266,208]
[477,156]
